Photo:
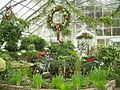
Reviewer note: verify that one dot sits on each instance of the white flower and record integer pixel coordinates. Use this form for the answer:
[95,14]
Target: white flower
[31,64]
[23,51]
[101,63]
[18,53]
[37,71]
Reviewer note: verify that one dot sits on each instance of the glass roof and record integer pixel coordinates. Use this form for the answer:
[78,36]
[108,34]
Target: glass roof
[27,9]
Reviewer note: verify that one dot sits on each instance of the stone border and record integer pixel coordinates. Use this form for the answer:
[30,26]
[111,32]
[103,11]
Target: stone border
[109,86]
[15,87]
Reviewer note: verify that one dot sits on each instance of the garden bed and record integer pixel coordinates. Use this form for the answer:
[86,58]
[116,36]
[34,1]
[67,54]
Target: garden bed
[109,86]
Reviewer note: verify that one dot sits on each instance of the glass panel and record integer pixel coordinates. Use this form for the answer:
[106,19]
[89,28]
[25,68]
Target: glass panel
[27,14]
[101,41]
[116,22]
[117,15]
[17,8]
[99,32]
[107,13]
[107,31]
[98,14]
[90,14]
[107,41]
[116,31]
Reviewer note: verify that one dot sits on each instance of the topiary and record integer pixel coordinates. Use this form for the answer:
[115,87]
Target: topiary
[2,65]
[33,39]
[38,42]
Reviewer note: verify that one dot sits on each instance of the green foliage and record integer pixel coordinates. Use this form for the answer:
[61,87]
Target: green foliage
[16,78]
[37,81]
[26,41]
[65,58]
[38,42]
[4,54]
[61,48]
[65,86]
[2,65]
[33,39]
[57,81]
[2,51]
[106,20]
[85,37]
[66,32]
[11,30]
[11,46]
[82,17]
[98,78]
[77,66]
[31,53]
[116,12]
[26,70]
[107,54]
[77,81]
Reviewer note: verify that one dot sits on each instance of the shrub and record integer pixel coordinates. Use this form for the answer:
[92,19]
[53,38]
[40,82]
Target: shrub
[2,65]
[33,39]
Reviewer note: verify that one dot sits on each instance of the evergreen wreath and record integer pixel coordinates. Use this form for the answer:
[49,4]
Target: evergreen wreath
[60,26]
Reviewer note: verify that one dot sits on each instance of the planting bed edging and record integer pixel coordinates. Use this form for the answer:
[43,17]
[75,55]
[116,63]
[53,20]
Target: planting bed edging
[109,86]
[15,87]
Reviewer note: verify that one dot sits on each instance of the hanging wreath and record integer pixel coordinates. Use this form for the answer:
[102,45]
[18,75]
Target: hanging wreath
[58,26]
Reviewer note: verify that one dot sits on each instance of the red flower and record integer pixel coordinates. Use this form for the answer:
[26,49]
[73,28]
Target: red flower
[89,60]
[58,8]
[41,53]
[50,19]
[67,17]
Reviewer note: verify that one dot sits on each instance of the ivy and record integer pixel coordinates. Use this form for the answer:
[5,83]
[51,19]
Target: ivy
[106,20]
[82,17]
[116,12]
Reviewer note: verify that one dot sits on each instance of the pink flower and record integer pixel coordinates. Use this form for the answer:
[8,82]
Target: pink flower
[89,60]
[41,53]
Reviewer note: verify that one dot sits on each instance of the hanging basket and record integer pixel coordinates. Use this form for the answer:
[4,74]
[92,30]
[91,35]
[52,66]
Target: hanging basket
[85,36]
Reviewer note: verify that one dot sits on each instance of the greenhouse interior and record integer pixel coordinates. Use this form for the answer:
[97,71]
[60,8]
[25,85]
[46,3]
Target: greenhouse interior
[59,44]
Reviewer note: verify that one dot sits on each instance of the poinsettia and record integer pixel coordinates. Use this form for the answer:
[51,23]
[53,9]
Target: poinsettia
[41,53]
[89,60]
